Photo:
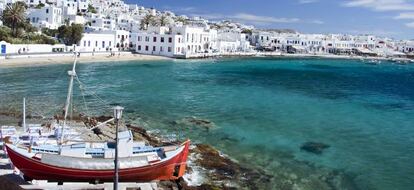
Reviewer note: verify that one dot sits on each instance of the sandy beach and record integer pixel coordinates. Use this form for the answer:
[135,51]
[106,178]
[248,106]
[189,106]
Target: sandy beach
[65,59]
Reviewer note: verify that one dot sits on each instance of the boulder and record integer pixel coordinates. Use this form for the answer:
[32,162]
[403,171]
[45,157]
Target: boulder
[314,147]
[194,121]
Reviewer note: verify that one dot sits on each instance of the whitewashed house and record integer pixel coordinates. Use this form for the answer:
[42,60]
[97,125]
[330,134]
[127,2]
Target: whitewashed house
[159,41]
[99,41]
[232,41]
[100,23]
[80,6]
[34,3]
[406,47]
[46,17]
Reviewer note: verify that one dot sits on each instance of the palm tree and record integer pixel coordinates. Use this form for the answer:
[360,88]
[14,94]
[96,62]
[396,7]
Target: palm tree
[13,16]
[163,20]
[146,21]
[181,19]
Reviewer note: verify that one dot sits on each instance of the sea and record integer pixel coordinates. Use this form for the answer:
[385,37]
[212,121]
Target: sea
[263,109]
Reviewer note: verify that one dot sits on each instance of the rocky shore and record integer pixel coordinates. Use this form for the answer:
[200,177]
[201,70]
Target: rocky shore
[210,169]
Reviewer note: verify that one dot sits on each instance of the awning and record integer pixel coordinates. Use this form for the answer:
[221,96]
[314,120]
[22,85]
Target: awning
[299,47]
[365,51]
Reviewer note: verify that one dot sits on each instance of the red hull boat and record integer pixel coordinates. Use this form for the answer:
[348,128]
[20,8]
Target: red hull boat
[170,168]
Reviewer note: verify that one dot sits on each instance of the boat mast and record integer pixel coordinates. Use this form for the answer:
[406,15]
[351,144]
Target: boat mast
[72,75]
[24,114]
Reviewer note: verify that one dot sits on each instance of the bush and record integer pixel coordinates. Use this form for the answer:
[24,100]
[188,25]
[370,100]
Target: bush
[50,32]
[5,33]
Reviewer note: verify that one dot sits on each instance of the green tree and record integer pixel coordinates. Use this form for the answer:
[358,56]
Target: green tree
[40,5]
[70,35]
[50,32]
[147,21]
[13,16]
[163,20]
[247,31]
[91,9]
[181,19]
[5,33]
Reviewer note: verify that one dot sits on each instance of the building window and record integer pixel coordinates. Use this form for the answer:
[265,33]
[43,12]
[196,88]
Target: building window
[161,49]
[47,11]
[146,38]
[146,48]
[110,43]
[170,40]
[169,49]
[139,38]
[84,43]
[154,48]
[139,48]
[96,43]
[89,43]
[162,39]
[179,40]
[103,44]
[154,39]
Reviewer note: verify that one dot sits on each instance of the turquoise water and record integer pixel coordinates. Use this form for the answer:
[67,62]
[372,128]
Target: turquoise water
[263,109]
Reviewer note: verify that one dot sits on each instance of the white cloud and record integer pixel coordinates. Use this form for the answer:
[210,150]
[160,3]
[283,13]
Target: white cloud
[410,25]
[381,5]
[408,15]
[317,22]
[262,19]
[180,9]
[378,32]
[400,6]
[249,18]
[307,1]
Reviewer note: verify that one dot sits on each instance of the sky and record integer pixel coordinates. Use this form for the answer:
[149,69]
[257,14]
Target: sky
[387,18]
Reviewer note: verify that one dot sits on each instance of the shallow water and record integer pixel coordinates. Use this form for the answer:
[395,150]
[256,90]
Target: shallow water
[263,109]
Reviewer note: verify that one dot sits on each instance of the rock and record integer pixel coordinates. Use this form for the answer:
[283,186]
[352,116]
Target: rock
[142,134]
[314,147]
[225,171]
[194,121]
[97,131]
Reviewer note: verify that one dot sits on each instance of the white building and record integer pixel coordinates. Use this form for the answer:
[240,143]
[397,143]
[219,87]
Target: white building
[406,47]
[159,41]
[176,41]
[46,17]
[104,41]
[100,23]
[232,41]
[79,5]
[33,3]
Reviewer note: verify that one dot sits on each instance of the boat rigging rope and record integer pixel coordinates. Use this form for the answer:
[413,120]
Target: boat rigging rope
[83,88]
[82,93]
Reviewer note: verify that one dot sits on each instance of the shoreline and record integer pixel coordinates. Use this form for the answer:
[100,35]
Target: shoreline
[34,60]
[49,59]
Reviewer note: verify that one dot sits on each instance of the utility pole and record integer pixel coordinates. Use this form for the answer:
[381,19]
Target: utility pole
[117,116]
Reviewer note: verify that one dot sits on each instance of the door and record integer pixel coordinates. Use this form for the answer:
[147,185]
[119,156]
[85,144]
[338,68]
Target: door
[3,49]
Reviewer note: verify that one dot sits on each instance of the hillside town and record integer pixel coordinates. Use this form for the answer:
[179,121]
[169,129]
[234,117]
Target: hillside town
[114,26]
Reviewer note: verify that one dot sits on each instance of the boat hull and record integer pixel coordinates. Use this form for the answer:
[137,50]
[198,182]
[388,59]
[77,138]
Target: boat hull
[170,169]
